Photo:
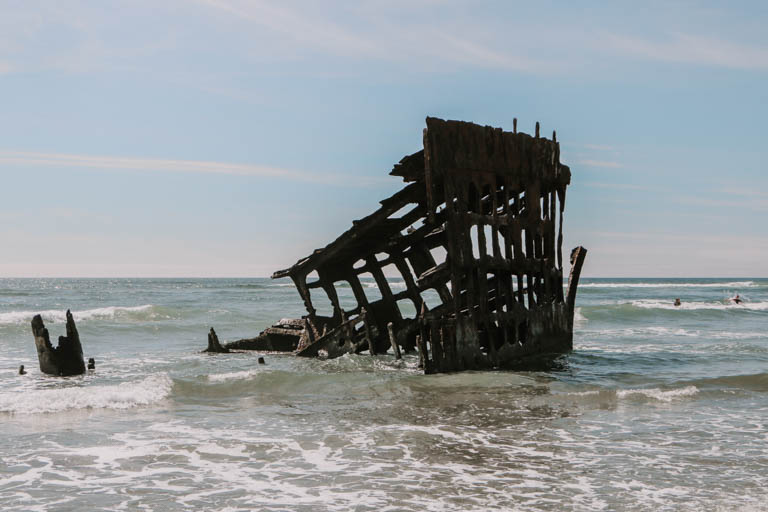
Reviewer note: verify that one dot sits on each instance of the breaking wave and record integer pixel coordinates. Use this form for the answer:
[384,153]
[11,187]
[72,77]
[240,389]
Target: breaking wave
[651,394]
[578,319]
[659,394]
[719,305]
[119,396]
[751,382]
[144,312]
[651,331]
[223,377]
[733,284]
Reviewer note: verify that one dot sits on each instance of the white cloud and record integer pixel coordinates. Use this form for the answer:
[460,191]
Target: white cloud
[185,166]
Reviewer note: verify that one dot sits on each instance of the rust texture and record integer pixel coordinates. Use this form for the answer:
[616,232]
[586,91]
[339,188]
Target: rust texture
[480,223]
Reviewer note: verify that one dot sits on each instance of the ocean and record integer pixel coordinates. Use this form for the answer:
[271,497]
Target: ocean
[657,408]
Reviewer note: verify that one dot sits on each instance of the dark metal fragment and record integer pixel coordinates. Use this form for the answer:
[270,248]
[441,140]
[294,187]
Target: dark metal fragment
[213,344]
[64,359]
[281,337]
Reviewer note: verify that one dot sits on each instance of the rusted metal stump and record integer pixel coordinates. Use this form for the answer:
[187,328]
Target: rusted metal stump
[64,359]
[214,347]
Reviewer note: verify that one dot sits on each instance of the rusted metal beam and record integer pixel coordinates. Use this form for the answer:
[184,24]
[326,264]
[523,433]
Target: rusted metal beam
[577,260]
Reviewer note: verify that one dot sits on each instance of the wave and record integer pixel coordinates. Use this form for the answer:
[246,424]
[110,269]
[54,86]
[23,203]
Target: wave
[675,331]
[732,284]
[392,284]
[337,377]
[120,396]
[659,394]
[644,331]
[144,312]
[649,394]
[751,382]
[223,377]
[720,305]
[578,318]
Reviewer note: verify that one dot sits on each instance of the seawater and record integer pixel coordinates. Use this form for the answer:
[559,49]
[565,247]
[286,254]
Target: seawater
[657,408]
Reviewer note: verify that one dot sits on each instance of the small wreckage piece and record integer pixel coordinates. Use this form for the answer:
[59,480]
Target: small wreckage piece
[284,336]
[479,226]
[63,360]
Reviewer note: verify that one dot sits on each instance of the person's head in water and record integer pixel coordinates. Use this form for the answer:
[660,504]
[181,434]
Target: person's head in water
[677,302]
[22,371]
[91,364]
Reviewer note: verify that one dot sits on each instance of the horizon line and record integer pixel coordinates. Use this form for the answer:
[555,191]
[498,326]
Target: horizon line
[389,277]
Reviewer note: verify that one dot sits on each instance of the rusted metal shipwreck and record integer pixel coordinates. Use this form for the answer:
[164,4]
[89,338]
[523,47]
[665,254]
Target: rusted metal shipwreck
[480,224]
[66,358]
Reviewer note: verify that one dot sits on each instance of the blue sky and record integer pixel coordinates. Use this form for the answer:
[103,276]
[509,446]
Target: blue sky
[231,137]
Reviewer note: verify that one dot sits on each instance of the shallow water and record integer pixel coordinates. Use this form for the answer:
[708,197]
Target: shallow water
[657,408]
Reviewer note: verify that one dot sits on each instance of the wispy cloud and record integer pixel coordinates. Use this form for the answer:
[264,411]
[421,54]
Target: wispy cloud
[744,192]
[600,163]
[299,26]
[182,166]
[618,186]
[426,35]
[755,202]
[599,147]
[693,49]
[384,36]
[737,242]
[673,254]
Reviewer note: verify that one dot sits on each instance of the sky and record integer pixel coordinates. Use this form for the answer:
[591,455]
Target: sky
[218,138]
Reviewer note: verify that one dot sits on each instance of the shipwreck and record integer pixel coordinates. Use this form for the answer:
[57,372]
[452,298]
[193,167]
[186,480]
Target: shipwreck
[479,224]
[66,358]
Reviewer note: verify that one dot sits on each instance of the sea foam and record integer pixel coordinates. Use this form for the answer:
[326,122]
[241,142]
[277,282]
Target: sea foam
[733,284]
[659,394]
[719,305]
[241,375]
[59,315]
[125,395]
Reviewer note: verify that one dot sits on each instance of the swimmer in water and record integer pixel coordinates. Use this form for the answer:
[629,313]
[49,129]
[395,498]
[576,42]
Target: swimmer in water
[677,302]
[91,364]
[22,371]
[736,299]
